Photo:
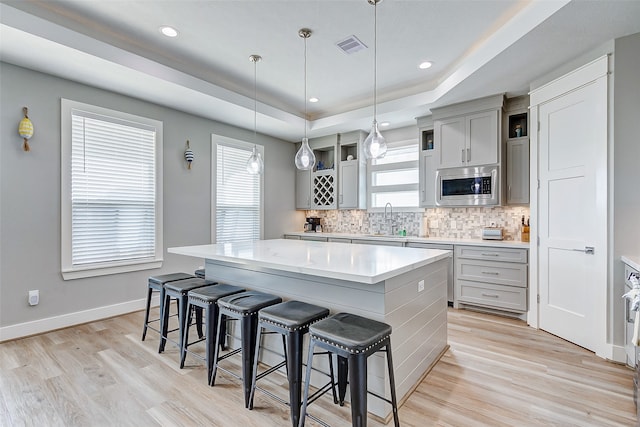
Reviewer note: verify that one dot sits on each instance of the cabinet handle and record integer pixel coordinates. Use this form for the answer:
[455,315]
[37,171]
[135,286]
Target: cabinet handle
[494,273]
[509,192]
[468,154]
[462,156]
[489,254]
[491,295]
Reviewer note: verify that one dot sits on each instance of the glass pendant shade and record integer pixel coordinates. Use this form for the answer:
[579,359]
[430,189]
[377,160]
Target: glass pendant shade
[255,165]
[305,159]
[375,146]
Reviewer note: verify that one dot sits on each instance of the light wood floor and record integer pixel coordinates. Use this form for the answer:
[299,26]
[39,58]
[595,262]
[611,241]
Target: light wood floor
[498,372]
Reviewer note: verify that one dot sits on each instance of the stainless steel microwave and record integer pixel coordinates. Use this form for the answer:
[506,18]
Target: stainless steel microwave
[470,186]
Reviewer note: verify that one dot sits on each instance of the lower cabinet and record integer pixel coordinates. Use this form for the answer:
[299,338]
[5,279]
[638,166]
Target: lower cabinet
[489,277]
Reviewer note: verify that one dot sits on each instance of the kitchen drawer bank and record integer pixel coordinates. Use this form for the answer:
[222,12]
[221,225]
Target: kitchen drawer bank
[490,275]
[395,240]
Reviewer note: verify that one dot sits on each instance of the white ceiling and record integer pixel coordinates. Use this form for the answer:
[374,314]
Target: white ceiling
[479,48]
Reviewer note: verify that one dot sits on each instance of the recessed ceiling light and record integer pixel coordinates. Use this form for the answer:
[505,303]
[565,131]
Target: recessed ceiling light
[169,31]
[424,65]
[384,124]
[313,99]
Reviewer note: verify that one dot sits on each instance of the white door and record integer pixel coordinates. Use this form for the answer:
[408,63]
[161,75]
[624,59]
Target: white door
[573,215]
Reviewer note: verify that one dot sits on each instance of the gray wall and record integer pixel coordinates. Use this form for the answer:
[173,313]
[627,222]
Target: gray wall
[626,159]
[30,195]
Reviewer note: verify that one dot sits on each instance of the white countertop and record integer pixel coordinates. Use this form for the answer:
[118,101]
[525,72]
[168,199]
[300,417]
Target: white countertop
[359,263]
[415,239]
[632,261]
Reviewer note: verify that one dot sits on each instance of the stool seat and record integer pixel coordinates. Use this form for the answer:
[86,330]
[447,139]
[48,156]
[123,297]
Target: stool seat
[350,332]
[211,294]
[199,273]
[184,286]
[248,302]
[292,315]
[166,278]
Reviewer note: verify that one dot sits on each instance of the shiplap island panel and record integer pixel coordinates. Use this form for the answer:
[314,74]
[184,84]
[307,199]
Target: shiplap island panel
[379,282]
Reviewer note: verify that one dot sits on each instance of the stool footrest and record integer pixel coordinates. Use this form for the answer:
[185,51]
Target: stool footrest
[270,370]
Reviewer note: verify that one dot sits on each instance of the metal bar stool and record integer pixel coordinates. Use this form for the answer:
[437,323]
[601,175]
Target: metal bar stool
[179,290]
[353,338]
[243,307]
[156,284]
[291,319]
[205,298]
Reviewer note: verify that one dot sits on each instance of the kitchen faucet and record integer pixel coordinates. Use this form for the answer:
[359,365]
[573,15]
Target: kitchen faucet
[389,217]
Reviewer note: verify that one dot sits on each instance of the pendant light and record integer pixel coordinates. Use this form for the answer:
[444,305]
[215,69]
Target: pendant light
[255,165]
[375,146]
[305,159]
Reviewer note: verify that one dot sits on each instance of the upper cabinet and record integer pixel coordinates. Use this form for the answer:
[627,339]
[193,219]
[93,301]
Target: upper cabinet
[427,168]
[517,150]
[469,133]
[352,178]
[317,189]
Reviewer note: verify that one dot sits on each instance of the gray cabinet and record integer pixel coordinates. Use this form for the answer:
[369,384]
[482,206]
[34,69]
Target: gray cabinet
[469,134]
[427,166]
[495,278]
[517,158]
[518,171]
[303,189]
[352,178]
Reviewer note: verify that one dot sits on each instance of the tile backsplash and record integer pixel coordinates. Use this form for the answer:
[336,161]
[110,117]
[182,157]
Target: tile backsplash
[464,223]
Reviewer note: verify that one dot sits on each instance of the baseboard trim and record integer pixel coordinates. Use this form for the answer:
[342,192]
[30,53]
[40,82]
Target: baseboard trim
[34,327]
[618,354]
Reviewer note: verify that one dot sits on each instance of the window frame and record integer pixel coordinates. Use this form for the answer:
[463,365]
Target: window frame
[410,164]
[68,270]
[243,145]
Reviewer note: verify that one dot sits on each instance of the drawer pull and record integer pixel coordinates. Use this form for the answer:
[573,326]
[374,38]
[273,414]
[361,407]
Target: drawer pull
[491,295]
[495,273]
[489,254]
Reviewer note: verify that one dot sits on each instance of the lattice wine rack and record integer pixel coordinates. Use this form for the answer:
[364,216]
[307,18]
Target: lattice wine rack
[324,189]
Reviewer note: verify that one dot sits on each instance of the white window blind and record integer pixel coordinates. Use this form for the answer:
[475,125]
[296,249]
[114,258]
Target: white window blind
[394,178]
[111,193]
[238,207]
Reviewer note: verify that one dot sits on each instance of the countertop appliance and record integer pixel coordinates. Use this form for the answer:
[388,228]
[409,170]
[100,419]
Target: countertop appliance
[492,233]
[312,224]
[471,186]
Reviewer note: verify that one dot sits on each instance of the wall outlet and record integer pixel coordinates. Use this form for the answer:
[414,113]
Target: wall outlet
[452,224]
[34,297]
[421,286]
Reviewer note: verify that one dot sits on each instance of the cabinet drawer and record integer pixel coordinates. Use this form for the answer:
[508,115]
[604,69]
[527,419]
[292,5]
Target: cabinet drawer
[291,237]
[379,242]
[499,273]
[503,297]
[314,238]
[339,240]
[492,254]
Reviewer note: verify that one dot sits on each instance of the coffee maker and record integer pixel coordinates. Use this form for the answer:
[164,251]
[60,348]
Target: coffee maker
[312,224]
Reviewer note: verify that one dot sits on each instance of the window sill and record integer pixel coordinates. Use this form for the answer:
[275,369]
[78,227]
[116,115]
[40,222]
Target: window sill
[94,271]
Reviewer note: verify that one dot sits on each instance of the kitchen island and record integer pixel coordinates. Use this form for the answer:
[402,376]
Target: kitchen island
[404,287]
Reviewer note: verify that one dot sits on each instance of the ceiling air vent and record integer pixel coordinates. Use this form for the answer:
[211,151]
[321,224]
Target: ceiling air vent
[351,45]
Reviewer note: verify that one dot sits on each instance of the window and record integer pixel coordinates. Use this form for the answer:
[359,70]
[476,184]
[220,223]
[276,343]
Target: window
[237,194]
[394,178]
[111,191]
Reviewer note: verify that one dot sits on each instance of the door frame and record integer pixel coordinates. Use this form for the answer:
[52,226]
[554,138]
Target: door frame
[597,69]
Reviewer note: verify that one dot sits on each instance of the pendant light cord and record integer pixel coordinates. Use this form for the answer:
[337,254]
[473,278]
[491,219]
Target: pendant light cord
[375,57]
[255,102]
[305,86]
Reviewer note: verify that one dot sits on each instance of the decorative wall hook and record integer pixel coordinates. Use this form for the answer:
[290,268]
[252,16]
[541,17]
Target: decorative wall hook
[188,155]
[25,129]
